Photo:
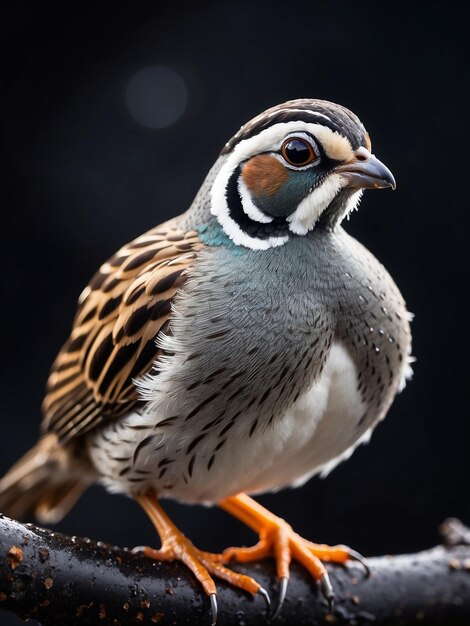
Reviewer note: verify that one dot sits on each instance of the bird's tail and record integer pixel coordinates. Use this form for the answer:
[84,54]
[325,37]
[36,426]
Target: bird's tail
[44,484]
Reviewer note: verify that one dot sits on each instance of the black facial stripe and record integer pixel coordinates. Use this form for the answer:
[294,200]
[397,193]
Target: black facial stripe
[341,121]
[277,228]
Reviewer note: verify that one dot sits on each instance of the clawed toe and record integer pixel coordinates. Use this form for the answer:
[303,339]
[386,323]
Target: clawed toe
[327,590]
[356,556]
[267,599]
[278,540]
[213,599]
[283,583]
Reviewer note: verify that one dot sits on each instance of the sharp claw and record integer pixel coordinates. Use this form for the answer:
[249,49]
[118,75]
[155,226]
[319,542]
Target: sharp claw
[331,602]
[327,590]
[213,599]
[282,596]
[355,556]
[267,599]
[138,550]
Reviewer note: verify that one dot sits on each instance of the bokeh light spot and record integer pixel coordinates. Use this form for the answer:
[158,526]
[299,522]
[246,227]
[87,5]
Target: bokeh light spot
[156,96]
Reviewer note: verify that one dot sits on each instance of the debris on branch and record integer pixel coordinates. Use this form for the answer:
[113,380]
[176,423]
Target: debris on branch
[59,580]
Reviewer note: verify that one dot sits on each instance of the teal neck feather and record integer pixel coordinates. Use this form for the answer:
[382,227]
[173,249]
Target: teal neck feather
[212,234]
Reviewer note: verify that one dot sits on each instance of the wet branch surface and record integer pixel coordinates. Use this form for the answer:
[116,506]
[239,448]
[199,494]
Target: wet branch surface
[60,580]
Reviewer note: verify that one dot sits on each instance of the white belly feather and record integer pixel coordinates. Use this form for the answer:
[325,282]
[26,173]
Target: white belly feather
[322,426]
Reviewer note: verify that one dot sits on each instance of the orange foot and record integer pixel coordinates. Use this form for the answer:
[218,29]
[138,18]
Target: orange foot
[175,546]
[277,539]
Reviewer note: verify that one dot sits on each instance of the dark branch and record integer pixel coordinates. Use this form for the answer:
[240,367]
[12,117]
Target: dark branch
[64,580]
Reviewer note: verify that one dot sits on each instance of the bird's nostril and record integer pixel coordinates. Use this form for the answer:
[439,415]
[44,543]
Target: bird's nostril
[360,156]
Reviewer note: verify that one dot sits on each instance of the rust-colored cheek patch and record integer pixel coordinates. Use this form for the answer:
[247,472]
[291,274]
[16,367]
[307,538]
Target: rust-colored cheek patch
[264,175]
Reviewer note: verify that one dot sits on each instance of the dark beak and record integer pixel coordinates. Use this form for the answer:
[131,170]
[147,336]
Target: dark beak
[365,171]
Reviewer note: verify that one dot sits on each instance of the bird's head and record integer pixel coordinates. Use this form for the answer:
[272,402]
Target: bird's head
[300,164]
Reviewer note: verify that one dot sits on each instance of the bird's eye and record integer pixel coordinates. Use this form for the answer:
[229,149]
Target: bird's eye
[298,152]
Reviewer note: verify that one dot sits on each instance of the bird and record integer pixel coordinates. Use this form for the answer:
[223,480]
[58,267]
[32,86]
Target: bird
[239,348]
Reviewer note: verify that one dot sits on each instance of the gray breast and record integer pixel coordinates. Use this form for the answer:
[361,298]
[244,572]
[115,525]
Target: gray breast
[252,329]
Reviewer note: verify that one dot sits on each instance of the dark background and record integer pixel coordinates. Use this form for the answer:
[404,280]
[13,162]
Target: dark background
[81,176]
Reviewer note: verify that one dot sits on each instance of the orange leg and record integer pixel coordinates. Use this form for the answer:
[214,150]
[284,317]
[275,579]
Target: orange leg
[175,546]
[277,539]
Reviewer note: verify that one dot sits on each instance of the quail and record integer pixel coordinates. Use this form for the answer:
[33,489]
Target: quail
[239,348]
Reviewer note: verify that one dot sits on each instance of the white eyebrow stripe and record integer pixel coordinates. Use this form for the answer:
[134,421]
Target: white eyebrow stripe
[272,114]
[335,145]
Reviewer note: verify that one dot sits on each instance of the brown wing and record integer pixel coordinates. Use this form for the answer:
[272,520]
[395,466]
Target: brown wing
[125,306]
